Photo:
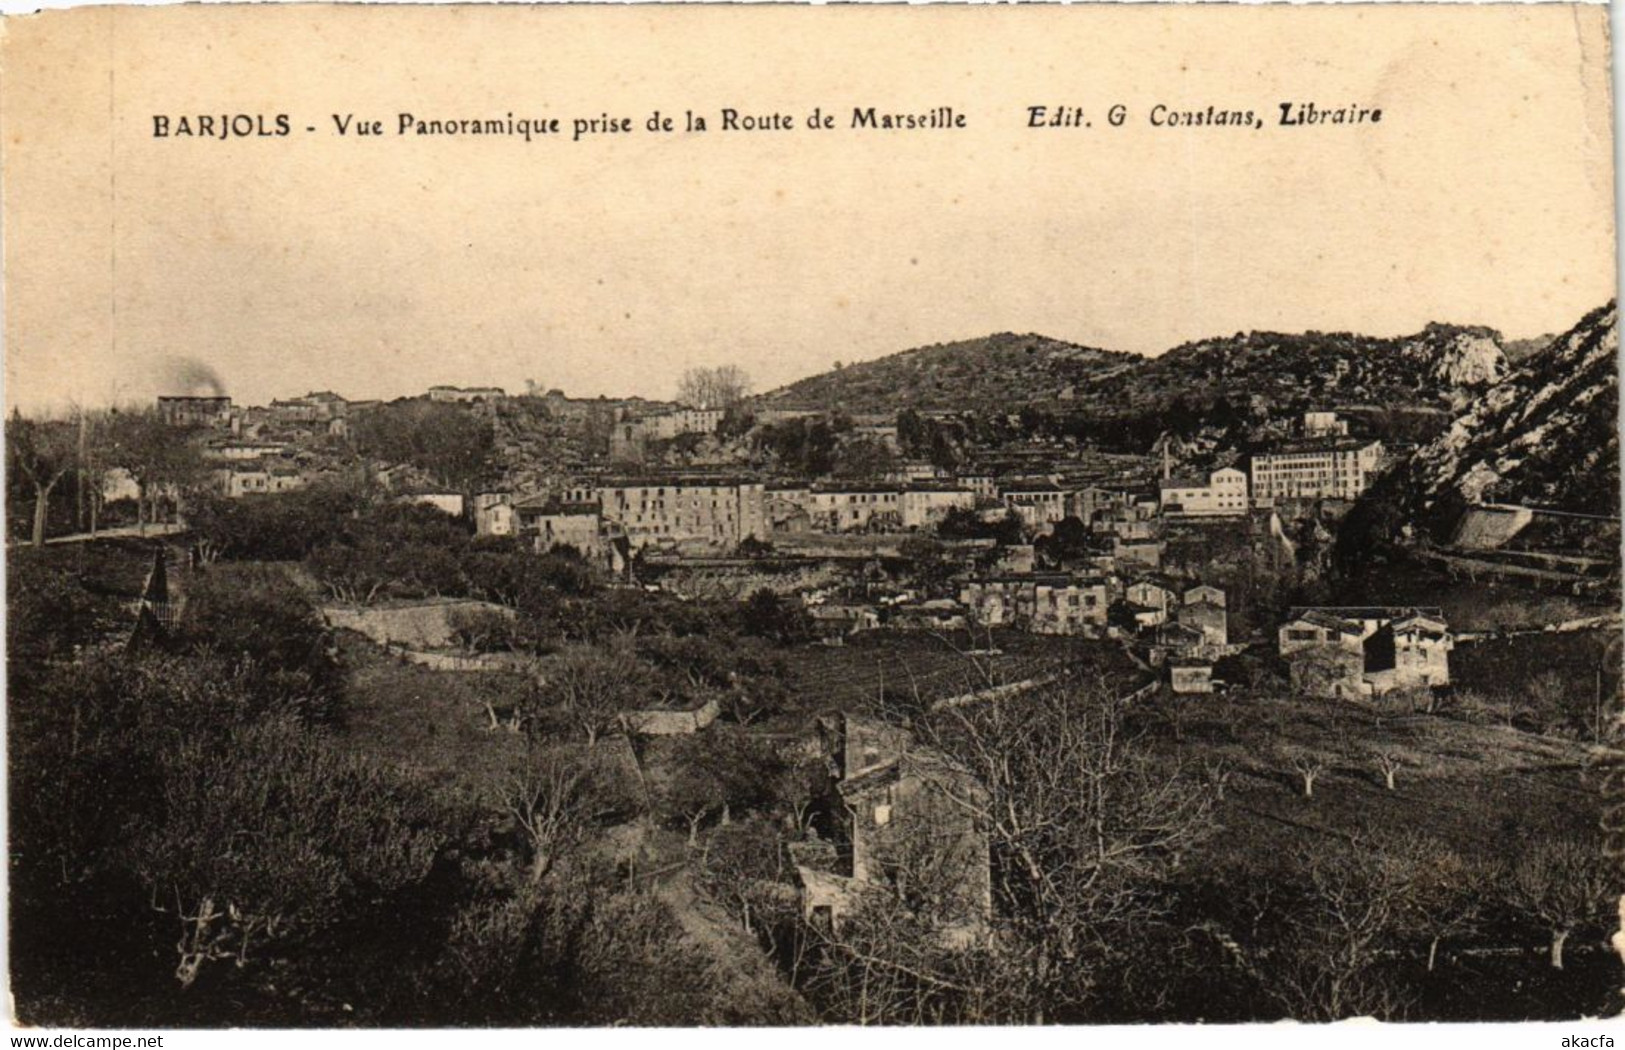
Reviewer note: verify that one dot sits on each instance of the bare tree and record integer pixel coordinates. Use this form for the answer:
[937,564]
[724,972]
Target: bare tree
[717,387]
[1217,774]
[1564,885]
[500,701]
[1329,962]
[881,965]
[1308,765]
[1082,826]
[1447,892]
[158,456]
[550,797]
[270,836]
[1389,763]
[593,688]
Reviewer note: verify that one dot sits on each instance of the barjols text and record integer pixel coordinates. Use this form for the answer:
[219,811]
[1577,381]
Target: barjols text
[221,126]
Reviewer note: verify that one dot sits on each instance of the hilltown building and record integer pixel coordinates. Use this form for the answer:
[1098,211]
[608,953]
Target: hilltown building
[1224,493]
[1036,504]
[843,509]
[1042,604]
[1321,469]
[628,439]
[1151,602]
[467,395]
[212,411]
[1209,619]
[1090,504]
[317,407]
[924,506]
[716,512]
[1324,424]
[257,479]
[1188,676]
[1366,651]
[494,514]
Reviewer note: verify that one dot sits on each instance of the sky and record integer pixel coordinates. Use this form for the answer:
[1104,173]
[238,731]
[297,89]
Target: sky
[377,266]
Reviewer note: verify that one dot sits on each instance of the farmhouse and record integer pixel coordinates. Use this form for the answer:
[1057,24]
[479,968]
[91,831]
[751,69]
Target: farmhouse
[885,799]
[1396,648]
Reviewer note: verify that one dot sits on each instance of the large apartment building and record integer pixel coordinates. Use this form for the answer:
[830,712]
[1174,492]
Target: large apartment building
[1325,469]
[679,510]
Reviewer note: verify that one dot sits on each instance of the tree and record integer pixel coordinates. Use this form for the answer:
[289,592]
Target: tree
[719,387]
[743,868]
[49,614]
[160,457]
[285,526]
[928,563]
[883,966]
[1069,541]
[1448,893]
[1389,763]
[865,458]
[42,452]
[717,772]
[592,687]
[1564,885]
[94,433]
[1308,765]
[551,797]
[766,614]
[268,839]
[258,619]
[451,443]
[1347,906]
[1084,825]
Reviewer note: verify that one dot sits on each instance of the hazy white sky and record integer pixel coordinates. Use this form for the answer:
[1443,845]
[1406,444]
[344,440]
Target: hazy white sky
[379,266]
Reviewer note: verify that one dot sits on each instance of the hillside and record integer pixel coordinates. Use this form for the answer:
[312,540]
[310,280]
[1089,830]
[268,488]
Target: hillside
[992,373]
[1547,435]
[1291,372]
[1442,364]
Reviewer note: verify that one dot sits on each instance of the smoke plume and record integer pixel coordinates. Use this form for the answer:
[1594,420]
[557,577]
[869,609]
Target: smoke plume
[189,376]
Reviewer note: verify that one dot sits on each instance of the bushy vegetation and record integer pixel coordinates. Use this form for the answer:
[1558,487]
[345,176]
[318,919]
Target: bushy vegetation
[195,841]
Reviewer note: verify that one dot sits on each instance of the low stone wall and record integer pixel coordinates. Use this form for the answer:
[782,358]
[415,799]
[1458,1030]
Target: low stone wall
[672,723]
[417,625]
[479,662]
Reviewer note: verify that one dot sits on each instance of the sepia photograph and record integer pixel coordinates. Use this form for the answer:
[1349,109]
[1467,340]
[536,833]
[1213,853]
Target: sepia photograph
[673,516]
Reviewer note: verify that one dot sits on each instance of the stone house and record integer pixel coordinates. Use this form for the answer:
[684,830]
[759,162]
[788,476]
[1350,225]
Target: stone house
[1395,647]
[898,817]
[1041,603]
[1207,617]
